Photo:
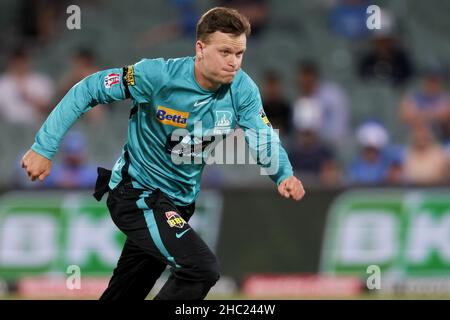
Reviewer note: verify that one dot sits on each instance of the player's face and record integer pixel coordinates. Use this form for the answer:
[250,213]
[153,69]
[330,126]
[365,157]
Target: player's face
[220,57]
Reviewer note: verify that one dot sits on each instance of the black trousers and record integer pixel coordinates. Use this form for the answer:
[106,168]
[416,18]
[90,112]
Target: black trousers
[158,235]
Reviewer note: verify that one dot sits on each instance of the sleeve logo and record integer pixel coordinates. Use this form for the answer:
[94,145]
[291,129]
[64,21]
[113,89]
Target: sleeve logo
[264,118]
[129,75]
[111,80]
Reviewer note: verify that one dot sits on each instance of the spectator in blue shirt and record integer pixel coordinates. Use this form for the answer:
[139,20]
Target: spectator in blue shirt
[372,164]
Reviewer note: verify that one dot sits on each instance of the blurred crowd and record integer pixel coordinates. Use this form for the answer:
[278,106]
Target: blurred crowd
[314,127]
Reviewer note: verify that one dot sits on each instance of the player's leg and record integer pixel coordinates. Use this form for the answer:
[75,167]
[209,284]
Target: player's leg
[137,271]
[194,267]
[139,265]
[135,274]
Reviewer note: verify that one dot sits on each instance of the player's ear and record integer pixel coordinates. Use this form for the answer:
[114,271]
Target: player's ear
[199,46]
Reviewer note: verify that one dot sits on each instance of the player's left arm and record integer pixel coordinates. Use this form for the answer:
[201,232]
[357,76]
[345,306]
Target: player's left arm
[265,143]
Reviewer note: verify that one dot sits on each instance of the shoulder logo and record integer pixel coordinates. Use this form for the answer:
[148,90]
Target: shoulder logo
[264,118]
[129,75]
[111,79]
[172,117]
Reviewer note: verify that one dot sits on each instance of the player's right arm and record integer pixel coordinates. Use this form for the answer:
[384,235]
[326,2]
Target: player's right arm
[99,88]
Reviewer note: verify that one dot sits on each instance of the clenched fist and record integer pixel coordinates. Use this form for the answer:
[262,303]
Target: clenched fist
[36,166]
[291,188]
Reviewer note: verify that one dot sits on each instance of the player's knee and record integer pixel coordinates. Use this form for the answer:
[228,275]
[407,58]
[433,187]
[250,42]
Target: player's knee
[211,274]
[203,270]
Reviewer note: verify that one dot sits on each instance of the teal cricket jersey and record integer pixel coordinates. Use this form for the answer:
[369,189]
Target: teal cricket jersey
[168,106]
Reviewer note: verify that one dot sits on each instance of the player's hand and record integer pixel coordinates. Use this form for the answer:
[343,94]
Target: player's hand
[36,166]
[291,188]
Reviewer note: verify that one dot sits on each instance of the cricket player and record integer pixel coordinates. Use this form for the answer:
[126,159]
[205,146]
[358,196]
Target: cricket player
[150,196]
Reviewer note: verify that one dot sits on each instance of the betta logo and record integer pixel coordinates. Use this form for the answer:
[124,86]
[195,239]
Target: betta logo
[174,219]
[172,117]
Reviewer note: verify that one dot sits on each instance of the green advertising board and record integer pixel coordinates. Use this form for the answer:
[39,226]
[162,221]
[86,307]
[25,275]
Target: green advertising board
[44,232]
[404,232]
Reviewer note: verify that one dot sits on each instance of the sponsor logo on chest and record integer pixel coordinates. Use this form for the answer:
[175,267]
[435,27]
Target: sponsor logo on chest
[172,117]
[223,122]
